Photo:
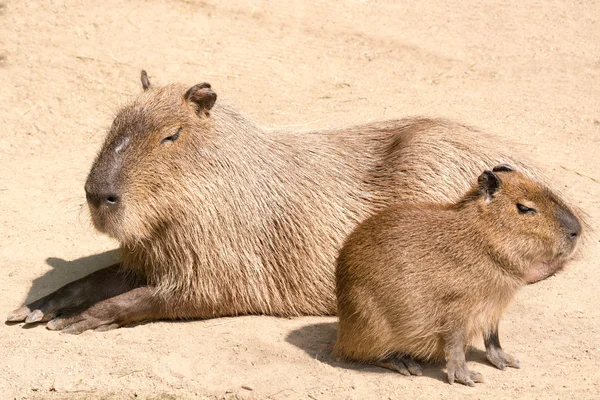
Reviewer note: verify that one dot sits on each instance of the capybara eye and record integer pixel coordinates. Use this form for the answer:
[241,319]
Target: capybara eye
[171,138]
[525,210]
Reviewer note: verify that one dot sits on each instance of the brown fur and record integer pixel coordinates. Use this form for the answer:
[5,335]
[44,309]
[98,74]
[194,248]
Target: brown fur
[231,220]
[412,277]
[217,216]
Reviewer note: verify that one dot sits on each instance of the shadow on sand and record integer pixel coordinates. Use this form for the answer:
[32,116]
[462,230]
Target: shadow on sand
[64,271]
[317,341]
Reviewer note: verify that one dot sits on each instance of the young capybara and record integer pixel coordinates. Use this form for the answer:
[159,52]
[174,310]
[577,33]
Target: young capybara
[418,282]
[218,217]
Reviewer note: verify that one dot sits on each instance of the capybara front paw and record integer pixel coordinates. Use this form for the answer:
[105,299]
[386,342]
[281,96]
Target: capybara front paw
[74,297]
[133,306]
[501,360]
[458,372]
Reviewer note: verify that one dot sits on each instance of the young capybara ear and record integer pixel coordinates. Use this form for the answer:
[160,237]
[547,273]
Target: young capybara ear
[488,184]
[201,97]
[145,80]
[503,168]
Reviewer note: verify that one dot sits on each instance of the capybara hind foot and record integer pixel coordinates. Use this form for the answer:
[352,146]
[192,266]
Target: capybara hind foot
[402,364]
[75,296]
[134,306]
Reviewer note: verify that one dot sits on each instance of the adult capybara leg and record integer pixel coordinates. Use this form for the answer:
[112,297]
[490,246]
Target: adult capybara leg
[136,305]
[76,296]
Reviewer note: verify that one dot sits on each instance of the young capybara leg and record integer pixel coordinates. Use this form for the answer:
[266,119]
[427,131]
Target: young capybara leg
[456,363]
[139,304]
[76,296]
[402,364]
[494,351]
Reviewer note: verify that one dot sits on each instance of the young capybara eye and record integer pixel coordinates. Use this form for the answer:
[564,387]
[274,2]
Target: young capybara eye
[523,209]
[419,282]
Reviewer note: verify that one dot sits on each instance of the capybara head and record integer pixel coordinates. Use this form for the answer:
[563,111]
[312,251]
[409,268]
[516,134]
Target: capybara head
[527,221]
[146,158]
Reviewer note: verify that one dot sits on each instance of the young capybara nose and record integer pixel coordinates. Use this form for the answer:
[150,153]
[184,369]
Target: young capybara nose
[570,223]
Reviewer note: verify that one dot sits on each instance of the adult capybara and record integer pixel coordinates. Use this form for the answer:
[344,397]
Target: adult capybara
[418,282]
[217,216]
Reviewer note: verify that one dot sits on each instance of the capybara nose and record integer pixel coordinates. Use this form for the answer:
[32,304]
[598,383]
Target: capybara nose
[570,223]
[100,190]
[98,199]
[574,234]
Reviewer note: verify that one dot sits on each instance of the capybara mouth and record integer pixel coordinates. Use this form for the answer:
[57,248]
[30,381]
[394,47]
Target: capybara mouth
[104,220]
[541,270]
[98,220]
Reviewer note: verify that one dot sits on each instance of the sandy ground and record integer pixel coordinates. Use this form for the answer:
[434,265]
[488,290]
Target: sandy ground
[526,70]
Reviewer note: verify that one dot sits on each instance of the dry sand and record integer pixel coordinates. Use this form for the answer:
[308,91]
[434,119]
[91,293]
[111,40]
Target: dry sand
[527,71]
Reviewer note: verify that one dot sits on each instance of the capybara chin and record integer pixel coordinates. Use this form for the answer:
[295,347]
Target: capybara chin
[217,216]
[419,282]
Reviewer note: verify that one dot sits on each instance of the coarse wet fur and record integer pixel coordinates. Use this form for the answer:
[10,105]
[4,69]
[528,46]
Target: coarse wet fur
[419,282]
[217,216]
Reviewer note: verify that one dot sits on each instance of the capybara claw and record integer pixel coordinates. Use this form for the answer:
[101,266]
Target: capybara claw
[35,316]
[56,324]
[19,314]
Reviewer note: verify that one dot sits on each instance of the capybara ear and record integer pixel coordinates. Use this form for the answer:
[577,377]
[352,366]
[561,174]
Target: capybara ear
[201,97]
[503,168]
[145,80]
[488,184]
